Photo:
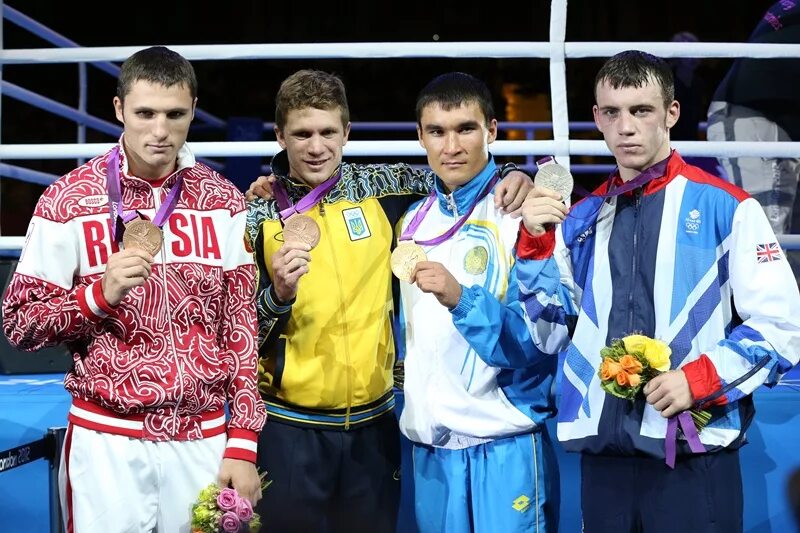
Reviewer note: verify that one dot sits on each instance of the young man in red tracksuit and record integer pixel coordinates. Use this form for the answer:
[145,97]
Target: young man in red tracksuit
[162,330]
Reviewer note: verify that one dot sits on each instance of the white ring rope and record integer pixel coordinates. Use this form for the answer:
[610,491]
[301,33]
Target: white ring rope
[395,50]
[412,148]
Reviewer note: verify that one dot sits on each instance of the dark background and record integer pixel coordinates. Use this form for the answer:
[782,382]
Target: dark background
[378,89]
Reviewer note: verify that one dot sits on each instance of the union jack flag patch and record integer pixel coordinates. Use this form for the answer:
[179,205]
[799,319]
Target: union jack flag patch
[768,252]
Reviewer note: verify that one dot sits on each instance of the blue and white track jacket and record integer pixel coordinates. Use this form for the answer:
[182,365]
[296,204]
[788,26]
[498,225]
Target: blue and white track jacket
[472,374]
[690,260]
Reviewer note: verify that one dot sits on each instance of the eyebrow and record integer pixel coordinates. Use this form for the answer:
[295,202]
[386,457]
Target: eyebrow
[139,109]
[296,131]
[461,125]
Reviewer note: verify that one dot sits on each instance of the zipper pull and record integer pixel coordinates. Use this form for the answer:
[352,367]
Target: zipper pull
[451,203]
[321,209]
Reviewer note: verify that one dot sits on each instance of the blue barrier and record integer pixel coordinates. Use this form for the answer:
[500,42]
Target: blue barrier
[30,404]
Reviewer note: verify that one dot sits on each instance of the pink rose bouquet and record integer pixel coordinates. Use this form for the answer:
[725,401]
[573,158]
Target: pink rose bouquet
[222,510]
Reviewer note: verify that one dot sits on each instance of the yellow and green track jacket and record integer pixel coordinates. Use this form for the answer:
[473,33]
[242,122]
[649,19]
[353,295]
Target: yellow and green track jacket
[327,357]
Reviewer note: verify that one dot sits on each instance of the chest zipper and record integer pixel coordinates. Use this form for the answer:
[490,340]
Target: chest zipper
[343,307]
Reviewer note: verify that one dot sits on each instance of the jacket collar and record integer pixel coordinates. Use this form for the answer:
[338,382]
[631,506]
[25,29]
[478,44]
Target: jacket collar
[467,194]
[294,187]
[675,166]
[185,160]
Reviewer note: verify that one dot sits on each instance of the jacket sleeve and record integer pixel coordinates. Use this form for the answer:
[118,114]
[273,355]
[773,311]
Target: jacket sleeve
[545,294]
[272,314]
[410,180]
[43,304]
[767,343]
[496,330]
[237,340]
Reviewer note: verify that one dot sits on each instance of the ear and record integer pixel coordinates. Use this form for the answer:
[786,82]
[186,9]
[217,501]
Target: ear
[194,107]
[492,131]
[279,137]
[596,115]
[118,109]
[346,134]
[673,113]
[419,136]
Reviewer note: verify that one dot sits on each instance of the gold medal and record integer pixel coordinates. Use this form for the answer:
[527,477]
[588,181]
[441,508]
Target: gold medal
[142,234]
[405,257]
[301,228]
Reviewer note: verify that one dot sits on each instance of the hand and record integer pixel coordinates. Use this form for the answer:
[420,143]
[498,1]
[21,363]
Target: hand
[261,188]
[289,264]
[511,191]
[436,279]
[243,477]
[542,206]
[669,393]
[125,270]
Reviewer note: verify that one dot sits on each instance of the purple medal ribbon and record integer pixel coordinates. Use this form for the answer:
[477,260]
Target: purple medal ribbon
[689,431]
[308,201]
[656,171]
[116,210]
[408,233]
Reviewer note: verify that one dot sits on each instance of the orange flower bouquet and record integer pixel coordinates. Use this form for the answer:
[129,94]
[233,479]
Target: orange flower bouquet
[629,363]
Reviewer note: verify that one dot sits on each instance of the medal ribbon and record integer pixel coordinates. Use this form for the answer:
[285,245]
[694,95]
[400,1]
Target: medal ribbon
[117,211]
[419,216]
[656,171]
[308,201]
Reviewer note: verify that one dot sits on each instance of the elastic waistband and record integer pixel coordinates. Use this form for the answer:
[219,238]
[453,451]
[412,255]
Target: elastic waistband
[89,415]
[334,419]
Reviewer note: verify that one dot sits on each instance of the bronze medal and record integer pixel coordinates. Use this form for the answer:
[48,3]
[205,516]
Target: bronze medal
[142,234]
[405,257]
[301,228]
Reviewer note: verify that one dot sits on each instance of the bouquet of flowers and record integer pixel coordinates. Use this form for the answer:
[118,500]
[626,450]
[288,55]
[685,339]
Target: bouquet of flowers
[629,363]
[222,510]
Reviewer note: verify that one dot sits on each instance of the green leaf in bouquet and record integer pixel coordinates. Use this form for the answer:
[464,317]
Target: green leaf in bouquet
[613,388]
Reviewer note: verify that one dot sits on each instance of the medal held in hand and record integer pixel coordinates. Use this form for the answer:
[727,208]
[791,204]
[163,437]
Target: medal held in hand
[409,252]
[405,257]
[298,227]
[128,227]
[142,234]
[301,228]
[555,177]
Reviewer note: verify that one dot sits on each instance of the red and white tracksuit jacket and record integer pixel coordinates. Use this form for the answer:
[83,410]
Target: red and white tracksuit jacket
[160,365]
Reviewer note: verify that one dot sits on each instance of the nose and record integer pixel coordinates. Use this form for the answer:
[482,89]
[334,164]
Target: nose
[625,124]
[315,145]
[160,129]
[451,143]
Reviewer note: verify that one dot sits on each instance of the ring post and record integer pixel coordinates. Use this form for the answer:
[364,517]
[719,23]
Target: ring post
[55,437]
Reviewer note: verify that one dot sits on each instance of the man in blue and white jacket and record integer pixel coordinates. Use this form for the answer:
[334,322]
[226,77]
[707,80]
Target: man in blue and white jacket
[477,389]
[684,257]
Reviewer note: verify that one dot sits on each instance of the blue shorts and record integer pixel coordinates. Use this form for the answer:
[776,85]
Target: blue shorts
[505,485]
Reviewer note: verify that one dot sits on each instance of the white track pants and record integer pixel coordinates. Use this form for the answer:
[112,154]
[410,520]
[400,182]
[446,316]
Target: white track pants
[111,483]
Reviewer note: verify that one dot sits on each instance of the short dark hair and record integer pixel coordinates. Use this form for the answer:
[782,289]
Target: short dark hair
[453,89]
[634,68]
[310,88]
[159,65]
